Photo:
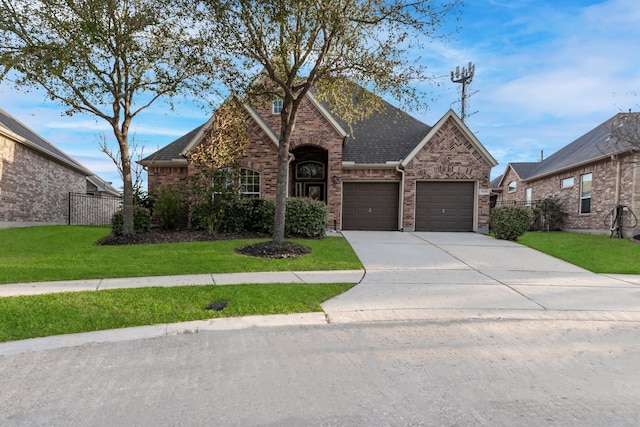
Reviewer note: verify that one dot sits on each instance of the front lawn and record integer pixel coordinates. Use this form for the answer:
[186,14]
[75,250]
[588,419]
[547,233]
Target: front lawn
[68,253]
[73,312]
[596,253]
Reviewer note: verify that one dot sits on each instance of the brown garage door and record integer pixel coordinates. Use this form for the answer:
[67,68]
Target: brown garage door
[444,206]
[370,205]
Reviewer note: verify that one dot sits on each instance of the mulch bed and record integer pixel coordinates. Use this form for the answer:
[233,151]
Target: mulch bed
[261,250]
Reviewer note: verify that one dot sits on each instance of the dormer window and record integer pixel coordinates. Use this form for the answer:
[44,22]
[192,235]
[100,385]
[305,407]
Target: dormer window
[276,106]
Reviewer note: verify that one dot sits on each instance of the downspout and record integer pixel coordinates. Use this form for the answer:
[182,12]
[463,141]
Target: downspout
[618,178]
[291,159]
[401,213]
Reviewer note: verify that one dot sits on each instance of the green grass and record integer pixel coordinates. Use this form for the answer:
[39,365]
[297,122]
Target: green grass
[596,253]
[68,253]
[73,312]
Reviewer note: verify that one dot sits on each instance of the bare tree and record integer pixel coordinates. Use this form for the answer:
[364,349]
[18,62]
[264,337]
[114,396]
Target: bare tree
[625,131]
[108,58]
[135,153]
[328,45]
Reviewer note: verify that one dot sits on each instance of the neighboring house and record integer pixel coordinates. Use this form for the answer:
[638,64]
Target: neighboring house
[388,172]
[36,178]
[96,186]
[589,177]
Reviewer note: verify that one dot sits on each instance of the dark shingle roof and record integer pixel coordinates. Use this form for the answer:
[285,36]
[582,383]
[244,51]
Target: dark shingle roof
[524,169]
[175,148]
[595,144]
[383,137]
[38,142]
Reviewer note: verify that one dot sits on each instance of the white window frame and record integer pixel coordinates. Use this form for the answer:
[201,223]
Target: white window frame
[568,182]
[244,176]
[512,187]
[586,195]
[528,196]
[276,106]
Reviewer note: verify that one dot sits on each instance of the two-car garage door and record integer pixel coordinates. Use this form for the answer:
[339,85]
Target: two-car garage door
[440,206]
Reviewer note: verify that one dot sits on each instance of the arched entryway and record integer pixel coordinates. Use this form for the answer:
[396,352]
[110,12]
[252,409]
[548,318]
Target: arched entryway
[308,173]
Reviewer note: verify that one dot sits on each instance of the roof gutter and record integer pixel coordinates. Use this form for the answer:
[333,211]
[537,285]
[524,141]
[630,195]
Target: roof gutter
[401,210]
[354,165]
[164,163]
[575,165]
[68,162]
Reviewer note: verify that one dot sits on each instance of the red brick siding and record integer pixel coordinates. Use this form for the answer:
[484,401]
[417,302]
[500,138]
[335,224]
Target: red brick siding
[603,192]
[448,156]
[603,197]
[312,129]
[35,188]
[519,194]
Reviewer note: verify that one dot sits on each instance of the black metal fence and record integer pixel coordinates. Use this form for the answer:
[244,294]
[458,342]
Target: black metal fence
[528,203]
[85,209]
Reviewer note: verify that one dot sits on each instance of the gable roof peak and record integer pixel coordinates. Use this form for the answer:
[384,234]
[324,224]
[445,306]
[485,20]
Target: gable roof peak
[451,115]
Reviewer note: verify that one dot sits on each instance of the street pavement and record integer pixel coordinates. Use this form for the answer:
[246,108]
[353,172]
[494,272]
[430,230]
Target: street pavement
[418,373]
[407,276]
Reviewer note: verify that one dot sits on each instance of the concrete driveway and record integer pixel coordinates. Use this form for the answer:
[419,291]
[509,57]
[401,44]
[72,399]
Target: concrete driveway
[419,275]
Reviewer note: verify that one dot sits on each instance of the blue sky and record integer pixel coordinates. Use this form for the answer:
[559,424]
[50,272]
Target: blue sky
[546,73]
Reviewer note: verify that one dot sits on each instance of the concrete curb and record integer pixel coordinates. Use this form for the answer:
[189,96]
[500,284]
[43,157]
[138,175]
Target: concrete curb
[161,330]
[307,319]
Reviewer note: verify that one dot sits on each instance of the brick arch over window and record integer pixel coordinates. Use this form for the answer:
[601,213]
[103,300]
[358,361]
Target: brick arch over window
[322,140]
[250,164]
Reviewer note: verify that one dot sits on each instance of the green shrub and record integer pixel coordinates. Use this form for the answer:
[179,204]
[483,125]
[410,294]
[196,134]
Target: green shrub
[141,221]
[511,222]
[304,217]
[225,213]
[263,214]
[549,215]
[169,207]
[237,215]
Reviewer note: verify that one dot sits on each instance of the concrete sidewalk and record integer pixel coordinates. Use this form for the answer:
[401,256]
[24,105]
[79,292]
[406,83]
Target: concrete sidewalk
[37,288]
[414,275]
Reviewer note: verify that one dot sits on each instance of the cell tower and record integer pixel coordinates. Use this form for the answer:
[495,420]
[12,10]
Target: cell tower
[464,77]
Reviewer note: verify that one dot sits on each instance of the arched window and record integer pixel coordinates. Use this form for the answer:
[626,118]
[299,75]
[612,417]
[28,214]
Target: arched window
[310,170]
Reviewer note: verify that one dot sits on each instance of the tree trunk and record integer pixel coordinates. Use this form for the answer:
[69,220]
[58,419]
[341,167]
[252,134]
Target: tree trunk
[287,124]
[127,197]
[127,181]
[281,192]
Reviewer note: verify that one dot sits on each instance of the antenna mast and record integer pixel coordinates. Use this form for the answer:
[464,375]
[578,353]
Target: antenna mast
[464,76]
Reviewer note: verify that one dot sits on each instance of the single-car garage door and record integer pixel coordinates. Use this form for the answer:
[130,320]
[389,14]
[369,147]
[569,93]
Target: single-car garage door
[444,206]
[370,205]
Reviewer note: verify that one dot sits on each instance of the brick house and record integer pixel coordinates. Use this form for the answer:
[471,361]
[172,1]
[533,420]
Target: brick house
[589,177]
[36,177]
[387,172]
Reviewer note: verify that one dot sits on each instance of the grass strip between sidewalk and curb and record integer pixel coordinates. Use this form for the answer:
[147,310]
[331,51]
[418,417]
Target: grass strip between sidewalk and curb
[73,312]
